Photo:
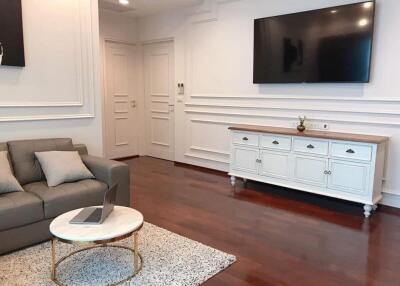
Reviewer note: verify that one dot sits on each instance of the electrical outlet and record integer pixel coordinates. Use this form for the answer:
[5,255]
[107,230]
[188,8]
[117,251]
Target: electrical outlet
[313,125]
[318,126]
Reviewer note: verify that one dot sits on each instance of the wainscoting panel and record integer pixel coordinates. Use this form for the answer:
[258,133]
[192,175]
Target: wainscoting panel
[58,81]
[202,146]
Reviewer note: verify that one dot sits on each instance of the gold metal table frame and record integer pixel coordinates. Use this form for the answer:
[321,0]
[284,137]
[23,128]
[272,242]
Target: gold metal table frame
[98,244]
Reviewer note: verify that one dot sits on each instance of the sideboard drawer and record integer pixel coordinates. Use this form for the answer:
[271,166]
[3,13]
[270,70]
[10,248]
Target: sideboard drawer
[276,142]
[351,151]
[310,146]
[244,138]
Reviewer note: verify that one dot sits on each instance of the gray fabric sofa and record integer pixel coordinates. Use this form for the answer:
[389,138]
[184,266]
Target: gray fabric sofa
[25,216]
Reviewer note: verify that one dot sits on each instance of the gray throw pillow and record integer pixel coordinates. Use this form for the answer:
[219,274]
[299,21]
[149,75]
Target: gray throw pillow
[62,167]
[8,183]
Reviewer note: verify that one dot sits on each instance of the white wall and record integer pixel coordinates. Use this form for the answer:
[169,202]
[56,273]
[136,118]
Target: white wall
[214,50]
[57,93]
[117,27]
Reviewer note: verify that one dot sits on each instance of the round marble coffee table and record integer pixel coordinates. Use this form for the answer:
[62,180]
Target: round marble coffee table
[122,223]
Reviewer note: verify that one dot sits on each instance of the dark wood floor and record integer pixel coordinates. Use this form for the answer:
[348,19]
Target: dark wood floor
[280,237]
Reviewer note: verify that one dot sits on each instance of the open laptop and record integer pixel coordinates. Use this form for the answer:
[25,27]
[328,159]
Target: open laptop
[96,215]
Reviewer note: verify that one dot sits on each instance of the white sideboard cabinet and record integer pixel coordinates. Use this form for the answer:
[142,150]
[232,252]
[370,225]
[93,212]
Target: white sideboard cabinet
[340,165]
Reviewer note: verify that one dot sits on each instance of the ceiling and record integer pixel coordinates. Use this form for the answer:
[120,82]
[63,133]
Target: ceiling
[141,8]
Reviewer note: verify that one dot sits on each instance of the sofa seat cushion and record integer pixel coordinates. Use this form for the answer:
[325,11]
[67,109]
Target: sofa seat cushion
[68,196]
[19,209]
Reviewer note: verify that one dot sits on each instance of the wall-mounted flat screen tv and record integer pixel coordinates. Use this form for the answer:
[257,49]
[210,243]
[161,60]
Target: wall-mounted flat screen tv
[326,45]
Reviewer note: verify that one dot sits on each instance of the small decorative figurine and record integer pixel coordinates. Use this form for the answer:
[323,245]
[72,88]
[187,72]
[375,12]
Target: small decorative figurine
[301,127]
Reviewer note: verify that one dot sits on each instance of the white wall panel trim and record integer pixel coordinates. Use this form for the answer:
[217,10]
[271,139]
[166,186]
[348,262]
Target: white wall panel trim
[319,109]
[295,97]
[208,150]
[84,106]
[391,200]
[44,117]
[205,157]
[40,104]
[293,117]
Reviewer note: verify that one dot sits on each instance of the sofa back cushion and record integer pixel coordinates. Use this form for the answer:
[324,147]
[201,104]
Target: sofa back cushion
[3,147]
[26,166]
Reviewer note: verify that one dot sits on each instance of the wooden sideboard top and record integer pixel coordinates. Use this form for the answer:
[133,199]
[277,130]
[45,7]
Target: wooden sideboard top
[312,133]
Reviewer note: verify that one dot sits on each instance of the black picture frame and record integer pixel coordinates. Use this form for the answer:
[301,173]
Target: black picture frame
[12,51]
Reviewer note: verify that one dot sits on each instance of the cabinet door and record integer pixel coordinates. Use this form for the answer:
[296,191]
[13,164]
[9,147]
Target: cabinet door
[348,176]
[245,159]
[274,164]
[310,170]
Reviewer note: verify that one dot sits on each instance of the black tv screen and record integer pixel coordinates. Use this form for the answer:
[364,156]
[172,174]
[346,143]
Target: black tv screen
[326,45]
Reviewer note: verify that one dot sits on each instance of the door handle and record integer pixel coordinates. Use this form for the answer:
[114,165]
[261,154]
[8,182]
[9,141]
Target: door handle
[133,103]
[171,107]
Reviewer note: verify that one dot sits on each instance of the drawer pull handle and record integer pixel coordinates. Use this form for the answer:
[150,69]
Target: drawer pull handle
[310,146]
[275,142]
[350,151]
[328,172]
[245,139]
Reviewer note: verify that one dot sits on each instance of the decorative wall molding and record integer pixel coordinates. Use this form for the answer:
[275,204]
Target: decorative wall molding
[208,150]
[210,154]
[293,117]
[46,117]
[390,199]
[205,157]
[368,111]
[300,108]
[41,104]
[294,97]
[84,105]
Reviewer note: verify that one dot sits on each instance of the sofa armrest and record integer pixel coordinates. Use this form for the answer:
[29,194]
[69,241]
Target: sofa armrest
[111,172]
[81,148]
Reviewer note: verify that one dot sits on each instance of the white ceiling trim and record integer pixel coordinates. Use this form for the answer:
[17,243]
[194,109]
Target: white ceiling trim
[143,8]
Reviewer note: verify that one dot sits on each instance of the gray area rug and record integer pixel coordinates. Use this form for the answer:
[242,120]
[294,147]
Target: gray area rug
[169,259]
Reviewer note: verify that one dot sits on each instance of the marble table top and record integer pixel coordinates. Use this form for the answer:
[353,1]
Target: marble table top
[120,222]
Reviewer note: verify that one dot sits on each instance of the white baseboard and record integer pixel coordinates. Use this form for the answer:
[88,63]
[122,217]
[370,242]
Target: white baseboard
[391,200]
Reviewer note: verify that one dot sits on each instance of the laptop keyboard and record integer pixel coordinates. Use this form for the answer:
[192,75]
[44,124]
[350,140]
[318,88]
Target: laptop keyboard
[95,216]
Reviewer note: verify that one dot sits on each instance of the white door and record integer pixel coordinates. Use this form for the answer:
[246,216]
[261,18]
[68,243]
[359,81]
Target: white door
[310,170]
[159,98]
[121,117]
[348,176]
[274,164]
[245,159]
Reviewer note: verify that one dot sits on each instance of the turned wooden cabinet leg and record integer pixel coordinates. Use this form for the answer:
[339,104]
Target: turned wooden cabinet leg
[374,207]
[244,181]
[367,210]
[233,181]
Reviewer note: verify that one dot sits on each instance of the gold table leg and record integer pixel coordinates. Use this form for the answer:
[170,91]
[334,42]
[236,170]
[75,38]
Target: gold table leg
[134,250]
[135,254]
[53,259]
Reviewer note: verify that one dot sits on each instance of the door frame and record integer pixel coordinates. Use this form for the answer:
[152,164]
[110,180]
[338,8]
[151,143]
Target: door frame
[139,102]
[173,95]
